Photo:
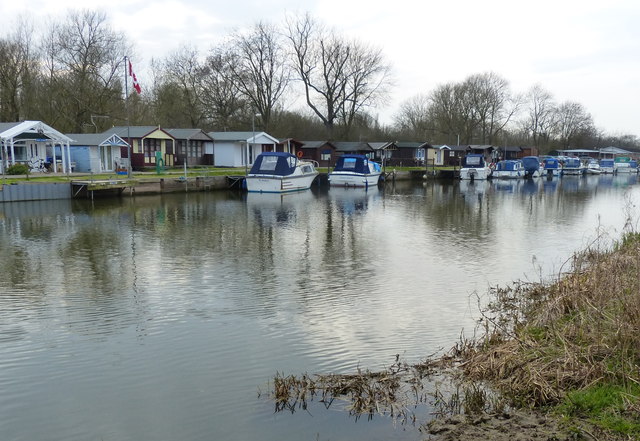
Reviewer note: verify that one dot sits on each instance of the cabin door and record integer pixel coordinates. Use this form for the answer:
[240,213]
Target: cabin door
[106,158]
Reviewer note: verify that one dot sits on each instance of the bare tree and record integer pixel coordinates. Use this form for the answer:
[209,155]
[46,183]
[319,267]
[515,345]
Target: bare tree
[17,69]
[491,103]
[84,59]
[539,119]
[223,103]
[260,68]
[340,78]
[412,119]
[571,121]
[177,89]
[451,113]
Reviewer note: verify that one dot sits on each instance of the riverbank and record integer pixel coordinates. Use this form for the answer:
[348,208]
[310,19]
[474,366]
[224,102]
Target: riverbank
[552,361]
[48,187]
[568,349]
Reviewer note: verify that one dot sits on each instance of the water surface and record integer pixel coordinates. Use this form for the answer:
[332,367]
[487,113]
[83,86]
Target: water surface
[165,317]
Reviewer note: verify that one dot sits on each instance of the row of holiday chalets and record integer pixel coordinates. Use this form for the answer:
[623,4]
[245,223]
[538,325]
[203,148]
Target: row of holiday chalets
[43,148]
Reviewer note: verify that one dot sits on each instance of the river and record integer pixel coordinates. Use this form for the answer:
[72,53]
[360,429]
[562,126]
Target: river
[165,317]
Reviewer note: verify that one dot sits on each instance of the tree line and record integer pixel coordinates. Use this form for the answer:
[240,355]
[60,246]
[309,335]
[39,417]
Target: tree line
[299,79]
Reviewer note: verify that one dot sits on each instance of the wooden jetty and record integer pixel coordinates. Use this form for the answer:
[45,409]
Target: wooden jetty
[88,188]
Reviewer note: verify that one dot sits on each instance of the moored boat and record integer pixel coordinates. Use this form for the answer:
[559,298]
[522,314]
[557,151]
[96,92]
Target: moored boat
[622,165]
[572,166]
[607,166]
[508,169]
[531,165]
[280,172]
[593,167]
[355,171]
[551,166]
[474,167]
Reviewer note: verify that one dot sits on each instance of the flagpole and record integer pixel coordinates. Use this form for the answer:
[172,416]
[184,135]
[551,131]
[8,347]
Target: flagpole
[126,100]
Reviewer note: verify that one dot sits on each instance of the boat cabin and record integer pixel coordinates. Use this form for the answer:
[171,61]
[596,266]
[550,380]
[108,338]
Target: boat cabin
[354,164]
[274,163]
[474,160]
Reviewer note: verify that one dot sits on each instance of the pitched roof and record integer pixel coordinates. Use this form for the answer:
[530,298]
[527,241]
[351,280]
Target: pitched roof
[198,134]
[352,146]
[232,136]
[134,131]
[31,130]
[316,144]
[95,139]
[615,150]
[240,136]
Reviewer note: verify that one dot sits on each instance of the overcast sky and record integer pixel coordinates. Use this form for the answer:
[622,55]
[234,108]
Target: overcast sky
[579,50]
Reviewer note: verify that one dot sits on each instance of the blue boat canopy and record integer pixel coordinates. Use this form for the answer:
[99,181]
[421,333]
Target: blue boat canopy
[353,163]
[508,165]
[606,163]
[572,162]
[551,163]
[274,163]
[531,163]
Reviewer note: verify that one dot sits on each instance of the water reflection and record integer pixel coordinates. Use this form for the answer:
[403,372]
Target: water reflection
[158,317]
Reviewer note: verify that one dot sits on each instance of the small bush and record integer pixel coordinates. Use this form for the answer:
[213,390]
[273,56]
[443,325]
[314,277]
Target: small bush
[18,169]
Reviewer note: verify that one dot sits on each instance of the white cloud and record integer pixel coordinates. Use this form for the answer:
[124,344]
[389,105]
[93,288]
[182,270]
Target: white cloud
[583,51]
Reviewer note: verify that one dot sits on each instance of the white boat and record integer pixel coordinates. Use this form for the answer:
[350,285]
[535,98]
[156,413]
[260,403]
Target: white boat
[508,169]
[474,167]
[551,166]
[607,166]
[593,167]
[622,164]
[280,172]
[572,166]
[355,171]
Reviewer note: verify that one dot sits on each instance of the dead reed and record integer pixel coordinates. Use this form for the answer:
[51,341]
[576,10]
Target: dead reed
[390,392]
[541,340]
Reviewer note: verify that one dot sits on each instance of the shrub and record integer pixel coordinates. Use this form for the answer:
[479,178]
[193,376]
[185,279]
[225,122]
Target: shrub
[18,169]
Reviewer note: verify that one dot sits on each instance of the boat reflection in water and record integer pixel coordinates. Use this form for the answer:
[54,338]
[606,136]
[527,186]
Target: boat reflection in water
[278,208]
[354,200]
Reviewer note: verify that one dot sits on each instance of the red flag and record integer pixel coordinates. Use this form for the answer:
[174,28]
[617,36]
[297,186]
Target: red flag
[136,85]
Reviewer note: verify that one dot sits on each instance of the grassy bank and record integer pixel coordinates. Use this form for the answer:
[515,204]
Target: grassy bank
[571,347]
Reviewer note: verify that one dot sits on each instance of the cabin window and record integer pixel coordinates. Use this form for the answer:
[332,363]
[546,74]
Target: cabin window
[306,169]
[268,163]
[349,163]
[325,155]
[473,160]
[151,146]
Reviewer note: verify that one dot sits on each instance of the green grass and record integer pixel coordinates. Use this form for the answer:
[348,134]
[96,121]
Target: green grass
[612,407]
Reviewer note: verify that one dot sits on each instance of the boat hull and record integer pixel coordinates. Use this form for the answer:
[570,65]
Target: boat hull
[345,179]
[472,173]
[511,174]
[279,184]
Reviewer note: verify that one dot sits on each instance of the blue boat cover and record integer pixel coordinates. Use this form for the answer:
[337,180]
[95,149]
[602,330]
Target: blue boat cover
[352,163]
[572,162]
[551,163]
[274,163]
[531,163]
[606,163]
[508,165]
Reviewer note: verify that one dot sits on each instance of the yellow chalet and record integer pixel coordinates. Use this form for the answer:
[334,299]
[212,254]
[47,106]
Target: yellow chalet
[147,144]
